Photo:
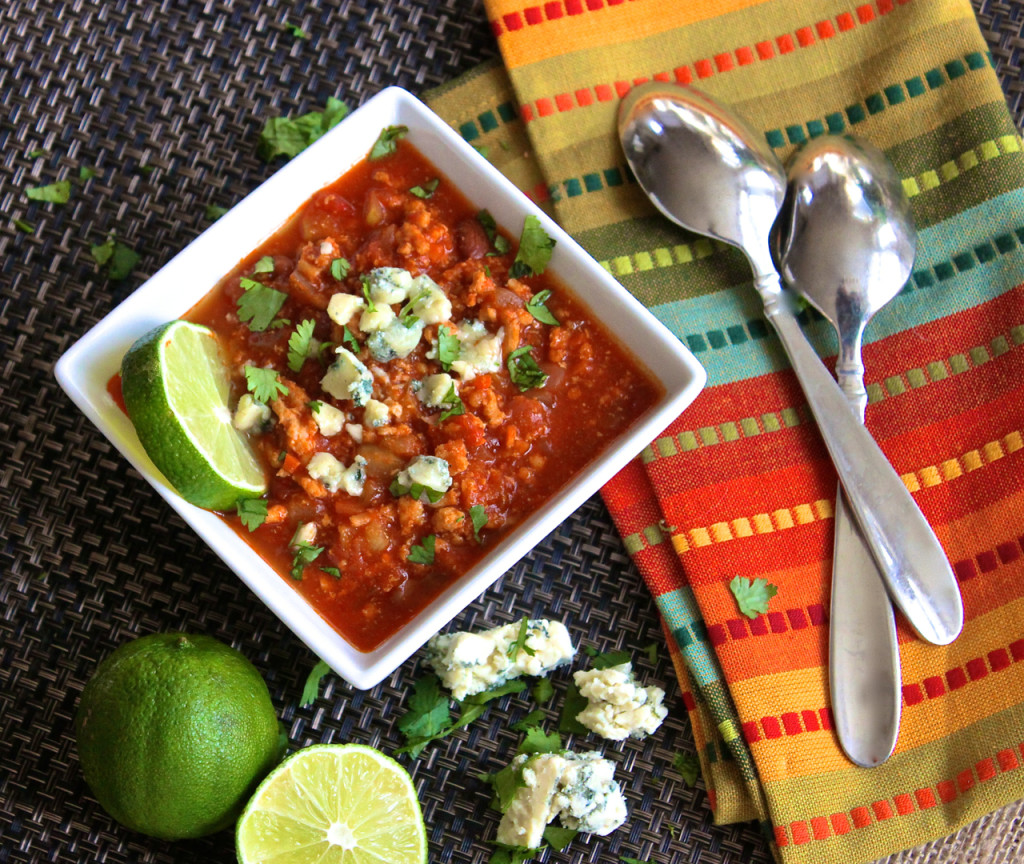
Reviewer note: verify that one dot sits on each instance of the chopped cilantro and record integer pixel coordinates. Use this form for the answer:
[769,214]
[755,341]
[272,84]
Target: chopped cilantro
[315,406]
[523,369]
[26,227]
[311,689]
[497,691]
[539,741]
[340,268]
[428,715]
[296,31]
[415,491]
[558,838]
[448,347]
[263,384]
[482,149]
[542,691]
[452,398]
[498,241]
[574,703]
[688,767]
[606,659]
[215,211]
[627,860]
[505,783]
[118,258]
[535,248]
[405,314]
[288,136]
[752,597]
[537,308]
[423,553]
[332,571]
[258,304]
[54,193]
[531,720]
[652,652]
[370,305]
[264,265]
[426,190]
[387,142]
[86,173]
[299,343]
[35,154]
[252,512]
[350,340]
[305,553]
[478,515]
[146,170]
[520,641]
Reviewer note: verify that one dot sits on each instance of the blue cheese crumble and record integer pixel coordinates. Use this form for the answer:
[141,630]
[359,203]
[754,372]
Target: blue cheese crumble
[479,350]
[469,663]
[579,790]
[335,476]
[376,413]
[341,307]
[617,706]
[348,378]
[430,304]
[433,389]
[388,285]
[250,415]
[329,420]
[429,472]
[396,340]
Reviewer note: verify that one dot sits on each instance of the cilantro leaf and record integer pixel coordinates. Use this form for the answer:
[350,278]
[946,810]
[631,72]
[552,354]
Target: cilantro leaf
[520,641]
[448,348]
[452,398]
[311,689]
[523,369]
[688,767]
[263,384]
[626,860]
[370,305]
[86,173]
[258,304]
[426,190]
[531,720]
[535,248]
[305,553]
[427,717]
[478,514]
[264,265]
[505,783]
[752,597]
[511,854]
[296,31]
[118,258]
[340,268]
[54,193]
[315,406]
[537,308]
[299,343]
[558,838]
[539,741]
[652,652]
[542,691]
[423,553]
[350,340]
[516,685]
[35,154]
[26,227]
[331,571]
[415,491]
[215,211]
[498,241]
[252,512]
[405,313]
[387,141]
[574,703]
[289,136]
[607,659]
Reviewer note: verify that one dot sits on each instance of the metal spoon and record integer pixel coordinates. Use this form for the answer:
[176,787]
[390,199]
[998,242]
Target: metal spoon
[706,171]
[846,242]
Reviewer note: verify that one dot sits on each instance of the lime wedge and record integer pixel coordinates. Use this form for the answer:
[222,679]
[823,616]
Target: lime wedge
[334,804]
[176,390]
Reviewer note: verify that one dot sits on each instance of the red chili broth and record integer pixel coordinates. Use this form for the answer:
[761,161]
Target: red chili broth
[590,400]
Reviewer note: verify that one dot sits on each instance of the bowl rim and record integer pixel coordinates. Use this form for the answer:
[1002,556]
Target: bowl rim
[85,368]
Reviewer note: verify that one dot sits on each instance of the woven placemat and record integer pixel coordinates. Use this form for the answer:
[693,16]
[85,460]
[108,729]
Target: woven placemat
[164,101]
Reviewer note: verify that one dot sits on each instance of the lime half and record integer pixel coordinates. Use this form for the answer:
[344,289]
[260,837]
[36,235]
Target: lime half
[334,804]
[176,390]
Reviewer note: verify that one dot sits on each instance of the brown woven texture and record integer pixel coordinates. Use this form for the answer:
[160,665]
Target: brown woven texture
[165,100]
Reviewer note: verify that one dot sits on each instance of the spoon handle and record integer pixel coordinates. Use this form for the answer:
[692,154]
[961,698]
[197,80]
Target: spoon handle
[910,559]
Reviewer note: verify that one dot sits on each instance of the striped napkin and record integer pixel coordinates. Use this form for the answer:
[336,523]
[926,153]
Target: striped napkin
[741,483]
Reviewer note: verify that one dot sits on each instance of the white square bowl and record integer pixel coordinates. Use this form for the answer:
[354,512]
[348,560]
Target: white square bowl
[89,364]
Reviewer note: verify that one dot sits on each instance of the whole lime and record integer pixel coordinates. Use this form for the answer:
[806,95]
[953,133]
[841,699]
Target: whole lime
[175,731]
